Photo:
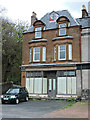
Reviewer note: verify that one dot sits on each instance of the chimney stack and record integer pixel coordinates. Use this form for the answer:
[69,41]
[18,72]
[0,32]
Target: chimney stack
[84,12]
[33,18]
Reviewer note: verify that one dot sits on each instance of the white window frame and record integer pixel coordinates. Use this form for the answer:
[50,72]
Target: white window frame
[43,53]
[62,27]
[62,51]
[30,55]
[70,51]
[38,32]
[34,53]
[55,52]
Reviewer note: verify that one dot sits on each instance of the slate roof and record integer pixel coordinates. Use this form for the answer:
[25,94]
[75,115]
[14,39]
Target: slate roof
[53,25]
[84,22]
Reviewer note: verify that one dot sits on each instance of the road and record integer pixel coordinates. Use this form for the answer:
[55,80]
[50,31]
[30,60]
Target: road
[30,109]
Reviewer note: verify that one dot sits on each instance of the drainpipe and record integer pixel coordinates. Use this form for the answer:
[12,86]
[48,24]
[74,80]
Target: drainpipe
[81,56]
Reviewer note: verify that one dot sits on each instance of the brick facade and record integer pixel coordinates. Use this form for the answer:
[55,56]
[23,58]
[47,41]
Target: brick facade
[52,74]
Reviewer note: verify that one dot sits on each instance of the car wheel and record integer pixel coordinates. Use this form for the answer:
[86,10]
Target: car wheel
[26,99]
[17,101]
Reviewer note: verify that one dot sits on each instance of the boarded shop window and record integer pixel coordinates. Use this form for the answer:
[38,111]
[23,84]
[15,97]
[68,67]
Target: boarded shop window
[27,84]
[36,54]
[62,29]
[62,52]
[43,53]
[61,85]
[38,85]
[31,85]
[44,85]
[38,32]
[71,85]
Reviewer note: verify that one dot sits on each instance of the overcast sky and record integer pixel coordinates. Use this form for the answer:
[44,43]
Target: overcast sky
[22,9]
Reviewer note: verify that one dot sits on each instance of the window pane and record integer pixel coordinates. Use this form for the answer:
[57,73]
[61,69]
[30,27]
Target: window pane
[38,85]
[36,54]
[50,84]
[54,84]
[38,34]
[44,85]
[62,52]
[62,31]
[38,29]
[61,85]
[44,54]
[62,25]
[70,52]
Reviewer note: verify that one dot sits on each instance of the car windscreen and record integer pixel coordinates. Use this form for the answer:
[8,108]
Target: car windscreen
[15,90]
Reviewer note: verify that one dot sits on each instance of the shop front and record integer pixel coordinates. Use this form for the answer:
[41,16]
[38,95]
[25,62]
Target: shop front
[51,83]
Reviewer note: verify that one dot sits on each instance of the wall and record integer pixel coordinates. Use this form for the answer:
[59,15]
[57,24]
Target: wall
[49,35]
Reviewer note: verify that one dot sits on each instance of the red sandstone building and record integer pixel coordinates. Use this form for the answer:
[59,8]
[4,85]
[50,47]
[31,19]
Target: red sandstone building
[52,63]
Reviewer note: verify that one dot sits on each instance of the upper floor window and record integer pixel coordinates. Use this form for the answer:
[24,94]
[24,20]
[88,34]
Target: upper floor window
[62,52]
[36,54]
[62,29]
[70,51]
[43,53]
[38,32]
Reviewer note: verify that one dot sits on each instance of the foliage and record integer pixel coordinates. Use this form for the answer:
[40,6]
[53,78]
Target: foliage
[12,50]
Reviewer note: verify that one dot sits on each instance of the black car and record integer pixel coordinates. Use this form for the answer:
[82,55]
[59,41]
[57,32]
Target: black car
[15,95]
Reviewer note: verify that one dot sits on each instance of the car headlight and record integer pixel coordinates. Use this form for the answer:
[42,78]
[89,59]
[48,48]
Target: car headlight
[13,96]
[1,96]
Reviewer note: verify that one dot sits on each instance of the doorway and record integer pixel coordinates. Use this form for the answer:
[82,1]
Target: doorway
[52,87]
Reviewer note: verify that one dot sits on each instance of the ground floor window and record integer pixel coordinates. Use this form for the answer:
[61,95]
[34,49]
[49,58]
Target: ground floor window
[66,85]
[36,85]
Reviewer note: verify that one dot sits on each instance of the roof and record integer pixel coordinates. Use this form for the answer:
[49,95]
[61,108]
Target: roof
[53,25]
[84,22]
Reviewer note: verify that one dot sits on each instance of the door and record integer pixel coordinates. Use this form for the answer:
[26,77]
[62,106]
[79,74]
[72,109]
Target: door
[52,87]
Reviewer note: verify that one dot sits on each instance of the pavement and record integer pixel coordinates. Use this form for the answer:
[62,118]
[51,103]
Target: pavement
[77,110]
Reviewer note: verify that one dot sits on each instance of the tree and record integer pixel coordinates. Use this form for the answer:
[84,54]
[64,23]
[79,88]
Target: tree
[12,50]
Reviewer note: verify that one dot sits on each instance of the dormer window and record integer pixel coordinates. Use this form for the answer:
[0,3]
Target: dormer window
[62,29]
[38,32]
